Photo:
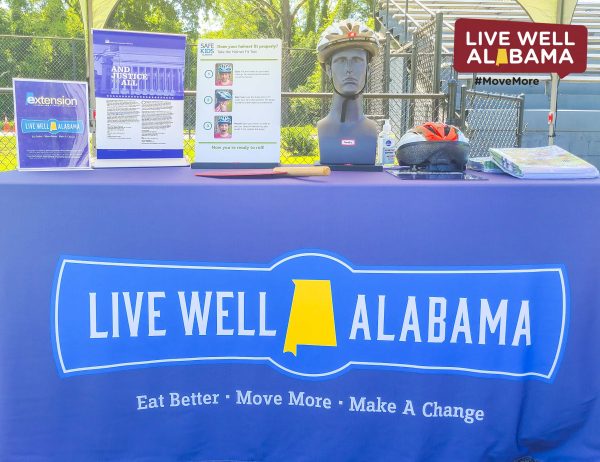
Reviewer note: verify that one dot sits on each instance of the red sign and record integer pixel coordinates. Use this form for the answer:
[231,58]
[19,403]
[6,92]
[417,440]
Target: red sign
[485,46]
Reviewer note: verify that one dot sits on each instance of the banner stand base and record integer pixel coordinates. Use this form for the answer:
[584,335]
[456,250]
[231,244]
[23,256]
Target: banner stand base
[233,165]
[353,167]
[115,163]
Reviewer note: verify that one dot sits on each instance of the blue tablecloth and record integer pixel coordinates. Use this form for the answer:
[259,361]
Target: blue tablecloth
[168,226]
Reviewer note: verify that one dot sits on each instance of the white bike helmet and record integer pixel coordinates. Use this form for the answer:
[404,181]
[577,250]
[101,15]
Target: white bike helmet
[346,34]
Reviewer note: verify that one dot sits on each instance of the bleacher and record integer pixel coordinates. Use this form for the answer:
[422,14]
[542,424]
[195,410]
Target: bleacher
[579,94]
[420,11]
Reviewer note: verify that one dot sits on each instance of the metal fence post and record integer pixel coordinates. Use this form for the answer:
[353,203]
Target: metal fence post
[405,20]
[463,107]
[413,83]
[387,15]
[437,61]
[520,119]
[387,72]
[374,12]
[451,119]
[437,50]
[73,61]
[405,89]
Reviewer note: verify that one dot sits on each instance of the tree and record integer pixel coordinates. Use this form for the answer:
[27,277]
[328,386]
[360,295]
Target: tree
[159,16]
[40,57]
[298,23]
[60,18]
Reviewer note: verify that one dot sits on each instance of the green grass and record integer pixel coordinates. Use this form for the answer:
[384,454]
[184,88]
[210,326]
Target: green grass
[8,153]
[286,159]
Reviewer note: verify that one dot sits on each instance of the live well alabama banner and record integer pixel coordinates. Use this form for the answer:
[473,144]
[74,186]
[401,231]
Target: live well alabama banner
[310,315]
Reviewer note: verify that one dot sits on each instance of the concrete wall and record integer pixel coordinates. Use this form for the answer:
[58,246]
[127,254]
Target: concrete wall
[577,131]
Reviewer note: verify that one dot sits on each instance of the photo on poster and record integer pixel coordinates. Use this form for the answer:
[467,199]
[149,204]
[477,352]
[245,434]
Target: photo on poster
[223,127]
[138,65]
[224,74]
[223,100]
[51,124]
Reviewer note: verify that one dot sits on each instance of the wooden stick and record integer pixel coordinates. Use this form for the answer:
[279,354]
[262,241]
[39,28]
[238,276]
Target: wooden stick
[304,171]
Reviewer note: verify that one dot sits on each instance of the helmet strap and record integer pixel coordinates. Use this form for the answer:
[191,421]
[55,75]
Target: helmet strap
[344,105]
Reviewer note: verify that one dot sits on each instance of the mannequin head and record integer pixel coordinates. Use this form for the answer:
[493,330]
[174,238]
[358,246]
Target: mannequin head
[346,136]
[344,51]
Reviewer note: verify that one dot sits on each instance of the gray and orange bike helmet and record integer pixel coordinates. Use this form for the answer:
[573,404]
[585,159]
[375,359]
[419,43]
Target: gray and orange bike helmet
[434,147]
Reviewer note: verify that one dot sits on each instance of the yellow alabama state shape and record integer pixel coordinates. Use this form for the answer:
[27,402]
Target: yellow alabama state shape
[311,317]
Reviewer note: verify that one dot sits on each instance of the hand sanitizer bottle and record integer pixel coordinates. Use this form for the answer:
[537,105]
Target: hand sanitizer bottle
[386,146]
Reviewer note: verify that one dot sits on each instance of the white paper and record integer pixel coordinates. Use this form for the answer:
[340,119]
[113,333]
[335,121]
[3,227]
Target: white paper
[254,107]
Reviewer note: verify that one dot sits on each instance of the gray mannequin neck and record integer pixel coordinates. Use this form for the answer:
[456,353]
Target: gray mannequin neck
[354,109]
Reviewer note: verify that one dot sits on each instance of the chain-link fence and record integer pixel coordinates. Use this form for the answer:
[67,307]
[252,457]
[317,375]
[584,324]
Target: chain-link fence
[299,142]
[426,67]
[423,66]
[56,58]
[405,114]
[52,58]
[421,69]
[8,140]
[491,120]
[447,71]
[300,74]
[60,58]
[426,63]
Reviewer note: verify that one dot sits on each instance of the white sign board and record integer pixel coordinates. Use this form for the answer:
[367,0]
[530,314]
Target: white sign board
[238,103]
[138,81]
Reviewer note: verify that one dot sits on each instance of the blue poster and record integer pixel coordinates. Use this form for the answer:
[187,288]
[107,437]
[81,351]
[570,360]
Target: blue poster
[51,124]
[139,83]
